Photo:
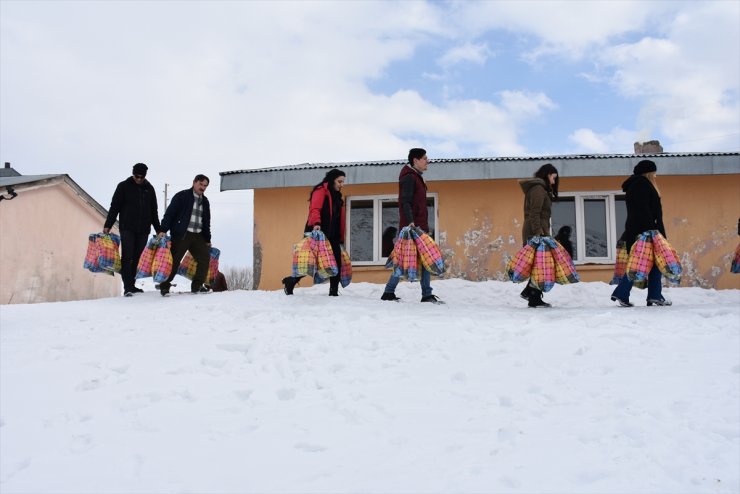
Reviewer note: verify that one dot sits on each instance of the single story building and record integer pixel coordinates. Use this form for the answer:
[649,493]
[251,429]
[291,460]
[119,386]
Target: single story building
[45,221]
[476,208]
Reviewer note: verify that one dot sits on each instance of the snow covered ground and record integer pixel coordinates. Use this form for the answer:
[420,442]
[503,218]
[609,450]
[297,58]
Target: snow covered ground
[259,392]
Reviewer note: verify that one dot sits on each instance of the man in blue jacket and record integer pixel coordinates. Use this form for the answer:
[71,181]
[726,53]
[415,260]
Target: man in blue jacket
[188,218]
[134,203]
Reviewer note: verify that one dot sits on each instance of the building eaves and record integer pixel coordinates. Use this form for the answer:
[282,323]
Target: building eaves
[25,181]
[580,165]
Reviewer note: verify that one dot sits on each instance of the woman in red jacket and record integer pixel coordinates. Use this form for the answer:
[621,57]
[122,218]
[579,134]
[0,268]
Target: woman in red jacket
[325,213]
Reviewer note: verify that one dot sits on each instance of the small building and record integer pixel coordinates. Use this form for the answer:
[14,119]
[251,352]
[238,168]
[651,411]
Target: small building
[45,221]
[476,212]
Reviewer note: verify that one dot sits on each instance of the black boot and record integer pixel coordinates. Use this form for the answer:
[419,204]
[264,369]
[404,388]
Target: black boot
[535,299]
[289,283]
[333,287]
[525,293]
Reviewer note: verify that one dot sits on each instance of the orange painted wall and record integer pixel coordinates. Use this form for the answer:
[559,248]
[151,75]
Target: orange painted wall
[480,225]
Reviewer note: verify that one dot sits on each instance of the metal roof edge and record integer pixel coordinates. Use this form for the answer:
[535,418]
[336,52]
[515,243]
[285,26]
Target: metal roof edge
[577,165]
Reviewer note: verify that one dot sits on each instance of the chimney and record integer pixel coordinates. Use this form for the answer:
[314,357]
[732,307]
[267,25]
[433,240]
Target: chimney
[648,147]
[7,164]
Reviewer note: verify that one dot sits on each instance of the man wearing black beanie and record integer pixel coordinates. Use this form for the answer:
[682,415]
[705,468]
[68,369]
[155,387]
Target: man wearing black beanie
[135,204]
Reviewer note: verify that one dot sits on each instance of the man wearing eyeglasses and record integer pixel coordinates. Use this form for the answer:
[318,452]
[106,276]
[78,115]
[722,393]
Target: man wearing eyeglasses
[134,203]
[188,219]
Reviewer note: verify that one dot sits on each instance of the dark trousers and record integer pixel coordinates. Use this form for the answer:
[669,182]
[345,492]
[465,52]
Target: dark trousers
[198,248]
[334,280]
[132,245]
[654,286]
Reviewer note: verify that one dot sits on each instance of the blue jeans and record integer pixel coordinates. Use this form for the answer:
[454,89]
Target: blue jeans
[654,287]
[426,283]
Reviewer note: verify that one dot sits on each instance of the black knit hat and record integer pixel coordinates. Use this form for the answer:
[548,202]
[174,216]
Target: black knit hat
[140,169]
[645,166]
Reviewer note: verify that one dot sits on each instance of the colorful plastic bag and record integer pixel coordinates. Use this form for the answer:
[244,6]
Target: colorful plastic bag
[345,272]
[666,258]
[189,265]
[429,253]
[620,266]
[326,263]
[156,259]
[404,260]
[103,254]
[544,262]
[736,262]
[304,260]
[543,268]
[565,270]
[641,259]
[519,267]
[652,248]
[313,256]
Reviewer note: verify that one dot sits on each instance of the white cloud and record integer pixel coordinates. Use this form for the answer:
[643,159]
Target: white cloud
[588,141]
[468,52]
[689,79]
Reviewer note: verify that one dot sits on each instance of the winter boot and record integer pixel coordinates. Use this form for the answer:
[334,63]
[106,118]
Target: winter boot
[658,301]
[288,284]
[333,288]
[535,299]
[525,293]
[624,303]
[389,296]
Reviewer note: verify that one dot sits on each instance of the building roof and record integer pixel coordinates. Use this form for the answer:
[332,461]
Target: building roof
[26,181]
[581,165]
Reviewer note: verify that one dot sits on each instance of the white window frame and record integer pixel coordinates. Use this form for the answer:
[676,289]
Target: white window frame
[613,231]
[377,223]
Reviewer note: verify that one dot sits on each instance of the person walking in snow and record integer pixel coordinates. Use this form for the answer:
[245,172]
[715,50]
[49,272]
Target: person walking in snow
[326,213]
[412,205]
[539,192]
[644,212]
[188,217]
[135,204]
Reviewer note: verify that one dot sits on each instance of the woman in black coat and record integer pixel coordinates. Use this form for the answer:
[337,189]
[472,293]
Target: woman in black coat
[644,212]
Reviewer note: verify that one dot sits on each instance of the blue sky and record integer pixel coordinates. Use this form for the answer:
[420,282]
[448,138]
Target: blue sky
[89,88]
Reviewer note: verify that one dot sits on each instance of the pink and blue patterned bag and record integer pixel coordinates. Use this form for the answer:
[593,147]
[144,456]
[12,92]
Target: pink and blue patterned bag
[544,262]
[429,254]
[313,256]
[652,248]
[404,260]
[103,254]
[156,259]
[189,265]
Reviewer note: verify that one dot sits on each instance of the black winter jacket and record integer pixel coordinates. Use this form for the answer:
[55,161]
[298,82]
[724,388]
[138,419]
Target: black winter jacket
[136,205]
[177,216]
[644,211]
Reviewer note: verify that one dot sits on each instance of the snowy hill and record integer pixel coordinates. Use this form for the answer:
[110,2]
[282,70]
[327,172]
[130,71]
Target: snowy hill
[259,392]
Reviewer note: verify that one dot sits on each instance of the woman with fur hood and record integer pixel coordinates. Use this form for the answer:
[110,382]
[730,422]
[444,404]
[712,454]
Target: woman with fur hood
[644,212]
[539,192]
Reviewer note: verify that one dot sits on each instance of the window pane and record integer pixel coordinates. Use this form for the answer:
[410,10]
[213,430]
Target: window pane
[594,214]
[564,215]
[361,230]
[430,211]
[620,214]
[389,226]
